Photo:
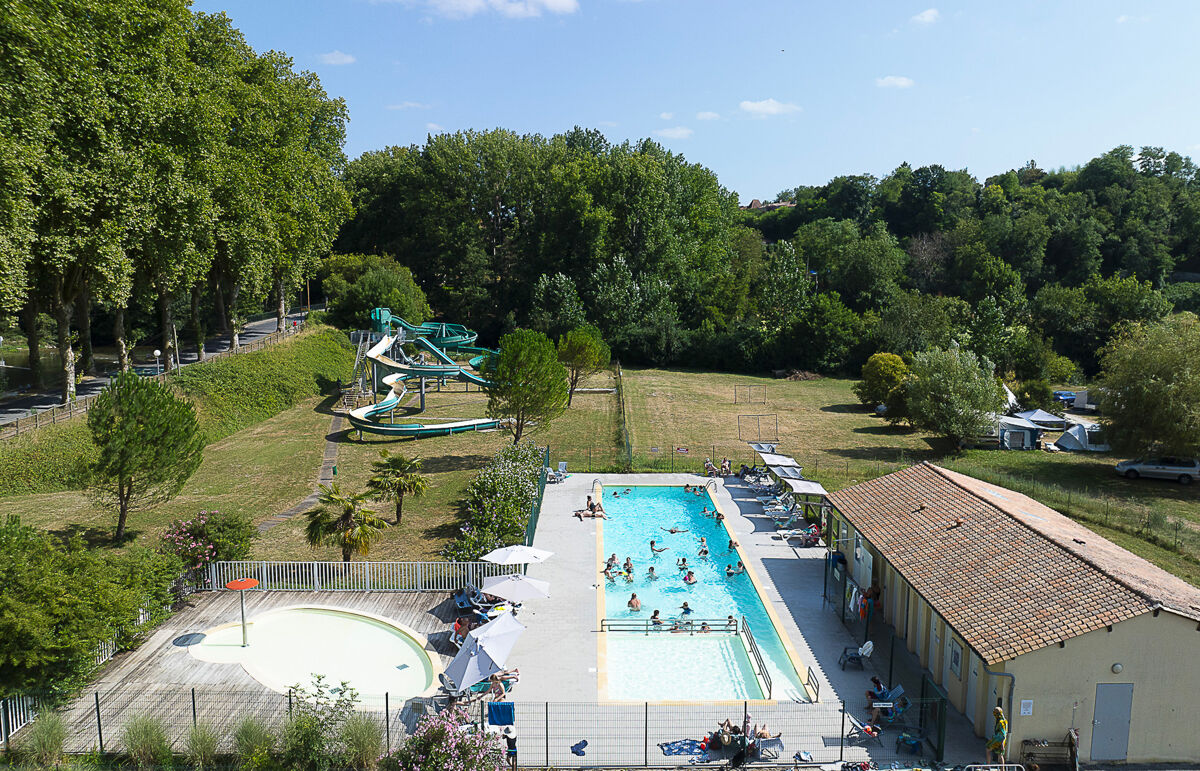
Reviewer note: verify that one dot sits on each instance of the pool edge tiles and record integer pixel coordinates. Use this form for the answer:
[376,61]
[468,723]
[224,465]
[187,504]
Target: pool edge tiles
[793,659]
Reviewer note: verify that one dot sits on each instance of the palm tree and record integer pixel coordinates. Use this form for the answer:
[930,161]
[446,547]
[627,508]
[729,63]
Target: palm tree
[395,477]
[343,520]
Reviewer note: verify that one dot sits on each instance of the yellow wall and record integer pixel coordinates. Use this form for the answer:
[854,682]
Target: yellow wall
[1158,655]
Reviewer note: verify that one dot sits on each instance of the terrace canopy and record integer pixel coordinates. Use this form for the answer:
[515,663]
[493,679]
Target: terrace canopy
[771,459]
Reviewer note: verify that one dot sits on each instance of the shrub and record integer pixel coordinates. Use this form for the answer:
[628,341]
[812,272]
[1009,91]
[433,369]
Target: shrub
[202,741]
[881,375]
[253,743]
[1037,394]
[362,738]
[210,536]
[145,739]
[497,502]
[439,743]
[43,744]
[311,734]
[952,392]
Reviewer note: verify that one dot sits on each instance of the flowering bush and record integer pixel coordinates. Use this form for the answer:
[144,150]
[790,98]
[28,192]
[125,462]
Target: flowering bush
[209,536]
[440,744]
[497,502]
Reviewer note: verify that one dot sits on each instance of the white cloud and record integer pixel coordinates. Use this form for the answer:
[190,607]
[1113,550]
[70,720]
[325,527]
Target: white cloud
[608,123]
[708,115]
[666,115]
[894,81]
[514,9]
[928,16]
[767,107]
[676,132]
[1125,18]
[336,58]
[433,127]
[408,106]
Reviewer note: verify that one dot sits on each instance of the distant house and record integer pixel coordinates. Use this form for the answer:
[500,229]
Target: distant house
[757,205]
[1007,602]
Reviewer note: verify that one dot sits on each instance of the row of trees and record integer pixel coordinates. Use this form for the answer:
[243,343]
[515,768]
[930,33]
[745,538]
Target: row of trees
[153,160]
[1029,269]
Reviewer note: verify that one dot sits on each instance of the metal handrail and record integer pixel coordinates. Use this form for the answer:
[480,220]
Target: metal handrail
[597,483]
[757,654]
[712,482]
[678,625]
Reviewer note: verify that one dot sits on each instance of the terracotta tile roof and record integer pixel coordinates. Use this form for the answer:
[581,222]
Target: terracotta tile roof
[1015,576]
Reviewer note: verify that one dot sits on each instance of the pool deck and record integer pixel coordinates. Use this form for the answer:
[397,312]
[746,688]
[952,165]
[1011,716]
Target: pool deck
[558,654]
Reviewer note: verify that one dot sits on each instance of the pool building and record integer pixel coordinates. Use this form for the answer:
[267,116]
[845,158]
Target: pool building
[1007,602]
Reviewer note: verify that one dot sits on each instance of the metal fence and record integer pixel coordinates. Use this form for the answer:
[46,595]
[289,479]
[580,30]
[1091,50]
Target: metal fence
[625,459]
[64,412]
[535,506]
[549,734]
[354,576]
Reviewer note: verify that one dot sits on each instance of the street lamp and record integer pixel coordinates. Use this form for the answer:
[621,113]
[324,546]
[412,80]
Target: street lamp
[157,353]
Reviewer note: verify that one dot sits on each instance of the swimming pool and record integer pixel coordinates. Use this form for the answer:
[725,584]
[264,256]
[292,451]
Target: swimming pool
[290,645]
[664,666]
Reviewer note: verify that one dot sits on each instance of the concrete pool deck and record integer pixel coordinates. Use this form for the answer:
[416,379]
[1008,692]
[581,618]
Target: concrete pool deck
[558,655]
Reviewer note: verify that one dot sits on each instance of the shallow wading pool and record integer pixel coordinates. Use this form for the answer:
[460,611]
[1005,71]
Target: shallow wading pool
[290,645]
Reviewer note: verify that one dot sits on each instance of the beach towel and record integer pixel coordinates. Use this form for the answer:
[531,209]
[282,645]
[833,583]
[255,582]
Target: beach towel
[577,749]
[500,713]
[681,747]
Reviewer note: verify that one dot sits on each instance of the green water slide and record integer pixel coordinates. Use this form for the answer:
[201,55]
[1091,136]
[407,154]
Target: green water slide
[431,337]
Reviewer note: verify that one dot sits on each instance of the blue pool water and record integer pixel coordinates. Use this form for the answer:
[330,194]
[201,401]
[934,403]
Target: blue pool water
[668,666]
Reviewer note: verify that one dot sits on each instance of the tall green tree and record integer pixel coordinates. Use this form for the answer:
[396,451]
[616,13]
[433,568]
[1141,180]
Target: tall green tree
[1151,393]
[584,353]
[343,520]
[396,476]
[149,444]
[527,381]
[952,392]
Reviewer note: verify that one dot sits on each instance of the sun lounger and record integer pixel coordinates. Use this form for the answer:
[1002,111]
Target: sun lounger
[769,749]
[860,732]
[856,656]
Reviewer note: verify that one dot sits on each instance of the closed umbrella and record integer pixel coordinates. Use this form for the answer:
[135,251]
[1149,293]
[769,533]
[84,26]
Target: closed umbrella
[484,651]
[516,588]
[516,555]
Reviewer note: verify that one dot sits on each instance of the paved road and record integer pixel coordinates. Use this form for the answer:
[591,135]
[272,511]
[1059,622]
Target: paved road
[20,407]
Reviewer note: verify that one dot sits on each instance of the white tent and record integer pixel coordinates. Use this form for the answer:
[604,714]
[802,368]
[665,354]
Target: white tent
[516,555]
[1076,438]
[763,446]
[1010,399]
[805,487]
[1043,418]
[787,472]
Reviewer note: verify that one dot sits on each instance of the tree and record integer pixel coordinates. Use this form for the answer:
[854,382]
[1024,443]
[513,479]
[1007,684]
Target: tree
[342,520]
[881,375]
[1151,393]
[584,353]
[952,392]
[396,476]
[149,444]
[528,382]
[1037,395]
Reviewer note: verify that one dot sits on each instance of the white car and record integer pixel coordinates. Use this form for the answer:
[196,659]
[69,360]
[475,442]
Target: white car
[1183,470]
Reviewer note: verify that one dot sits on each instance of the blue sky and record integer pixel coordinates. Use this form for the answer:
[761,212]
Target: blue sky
[770,94]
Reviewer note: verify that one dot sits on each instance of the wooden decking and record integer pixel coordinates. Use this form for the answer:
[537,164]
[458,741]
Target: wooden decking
[163,679]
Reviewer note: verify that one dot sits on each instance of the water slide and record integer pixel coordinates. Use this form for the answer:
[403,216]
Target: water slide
[400,373]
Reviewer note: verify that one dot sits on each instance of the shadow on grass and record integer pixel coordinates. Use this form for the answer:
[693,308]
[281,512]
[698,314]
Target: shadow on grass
[884,429]
[325,406]
[444,463]
[94,537]
[885,454]
[845,408]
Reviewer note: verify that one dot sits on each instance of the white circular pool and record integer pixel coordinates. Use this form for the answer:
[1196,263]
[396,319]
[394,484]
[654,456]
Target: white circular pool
[287,646]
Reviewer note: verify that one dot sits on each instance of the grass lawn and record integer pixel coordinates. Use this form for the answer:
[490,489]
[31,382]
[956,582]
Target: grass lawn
[838,443]
[259,471]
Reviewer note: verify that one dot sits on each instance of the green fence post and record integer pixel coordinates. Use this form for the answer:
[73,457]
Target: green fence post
[193,708]
[99,725]
[387,721]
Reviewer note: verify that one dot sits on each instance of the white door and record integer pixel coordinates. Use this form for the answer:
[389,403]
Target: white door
[972,686]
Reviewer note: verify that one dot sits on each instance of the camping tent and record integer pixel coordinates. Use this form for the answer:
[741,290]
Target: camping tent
[1010,399]
[1043,418]
[1076,438]
[1017,433]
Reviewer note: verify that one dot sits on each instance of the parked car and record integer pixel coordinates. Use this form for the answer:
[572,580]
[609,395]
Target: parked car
[1184,470]
[1064,396]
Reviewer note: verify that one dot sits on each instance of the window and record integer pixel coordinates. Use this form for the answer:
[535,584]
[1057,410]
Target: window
[956,658]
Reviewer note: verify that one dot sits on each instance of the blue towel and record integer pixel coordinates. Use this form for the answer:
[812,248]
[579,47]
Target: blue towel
[500,713]
[578,748]
[681,747]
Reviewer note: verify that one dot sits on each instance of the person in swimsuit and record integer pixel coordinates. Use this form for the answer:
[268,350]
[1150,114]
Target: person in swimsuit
[657,549]
[690,578]
[673,530]
[634,603]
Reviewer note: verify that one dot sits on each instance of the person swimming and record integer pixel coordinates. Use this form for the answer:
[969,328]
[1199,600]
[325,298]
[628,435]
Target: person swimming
[682,563]
[673,530]
[651,575]
[690,578]
[657,549]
